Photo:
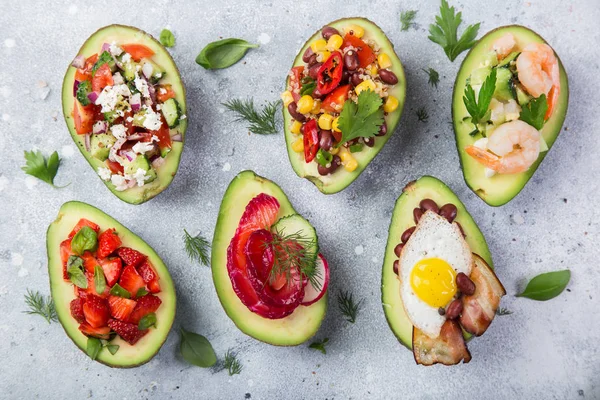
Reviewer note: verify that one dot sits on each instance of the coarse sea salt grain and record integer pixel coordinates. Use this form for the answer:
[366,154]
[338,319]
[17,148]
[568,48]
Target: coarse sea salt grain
[359,249]
[264,38]
[10,43]
[226,167]
[67,151]
[16,259]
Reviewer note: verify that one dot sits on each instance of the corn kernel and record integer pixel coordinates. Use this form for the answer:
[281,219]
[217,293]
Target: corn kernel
[325,121]
[355,30]
[344,154]
[316,107]
[390,104]
[351,165]
[384,61]
[305,104]
[335,124]
[334,150]
[373,70]
[298,145]
[323,55]
[365,85]
[287,98]
[318,45]
[295,128]
[334,42]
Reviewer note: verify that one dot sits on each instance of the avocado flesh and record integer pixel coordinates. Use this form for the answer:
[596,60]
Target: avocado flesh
[426,187]
[501,188]
[341,178]
[122,35]
[292,330]
[62,291]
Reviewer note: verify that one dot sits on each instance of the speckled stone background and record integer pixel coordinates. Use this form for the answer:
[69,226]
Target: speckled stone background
[545,350]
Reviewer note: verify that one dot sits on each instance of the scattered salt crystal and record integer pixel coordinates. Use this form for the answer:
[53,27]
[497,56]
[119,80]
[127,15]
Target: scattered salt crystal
[67,151]
[16,259]
[5,117]
[10,43]
[72,9]
[226,167]
[359,249]
[23,272]
[31,182]
[518,219]
[264,38]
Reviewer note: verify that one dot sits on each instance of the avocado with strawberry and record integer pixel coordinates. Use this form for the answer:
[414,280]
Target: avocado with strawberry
[113,294]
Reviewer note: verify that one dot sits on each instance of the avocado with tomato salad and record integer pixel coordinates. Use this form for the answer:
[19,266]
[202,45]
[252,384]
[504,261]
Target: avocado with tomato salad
[344,97]
[124,104]
[110,289]
[268,272]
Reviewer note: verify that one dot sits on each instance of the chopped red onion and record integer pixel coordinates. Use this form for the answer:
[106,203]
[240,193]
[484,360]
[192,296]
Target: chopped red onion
[106,47]
[152,92]
[78,62]
[93,96]
[86,141]
[147,70]
[157,162]
[100,127]
[135,102]
[75,87]
[177,138]
[129,154]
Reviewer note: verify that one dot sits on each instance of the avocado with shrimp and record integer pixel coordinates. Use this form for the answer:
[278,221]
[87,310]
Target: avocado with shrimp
[501,150]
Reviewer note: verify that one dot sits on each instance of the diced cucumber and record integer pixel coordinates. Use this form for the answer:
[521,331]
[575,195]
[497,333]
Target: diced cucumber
[296,224]
[504,85]
[105,58]
[83,90]
[171,112]
[157,72]
[522,97]
[478,76]
[505,62]
[140,162]
[129,70]
[164,151]
[111,116]
[100,145]
[490,59]
[139,118]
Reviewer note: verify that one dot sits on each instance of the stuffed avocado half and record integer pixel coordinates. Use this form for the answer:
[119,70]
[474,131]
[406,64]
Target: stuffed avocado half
[327,145]
[501,151]
[107,284]
[124,104]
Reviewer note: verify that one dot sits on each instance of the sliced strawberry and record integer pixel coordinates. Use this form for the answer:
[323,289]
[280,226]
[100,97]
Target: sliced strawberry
[65,253]
[145,305]
[146,271]
[128,332]
[100,333]
[131,281]
[77,310]
[130,256]
[96,311]
[120,307]
[89,262]
[153,286]
[112,268]
[108,241]
[83,222]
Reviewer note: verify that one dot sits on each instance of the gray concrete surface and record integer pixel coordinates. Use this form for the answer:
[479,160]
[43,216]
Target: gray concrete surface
[545,350]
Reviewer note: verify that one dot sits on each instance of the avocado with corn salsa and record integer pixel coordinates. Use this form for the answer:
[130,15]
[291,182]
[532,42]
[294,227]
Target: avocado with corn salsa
[332,132]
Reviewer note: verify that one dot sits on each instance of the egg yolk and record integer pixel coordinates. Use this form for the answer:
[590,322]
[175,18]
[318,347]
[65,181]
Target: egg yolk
[434,281]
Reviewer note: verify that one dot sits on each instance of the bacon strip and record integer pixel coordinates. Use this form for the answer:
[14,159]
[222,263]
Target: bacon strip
[480,308]
[449,348]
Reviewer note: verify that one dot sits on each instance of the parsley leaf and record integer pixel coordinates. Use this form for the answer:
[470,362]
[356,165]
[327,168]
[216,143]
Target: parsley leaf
[363,118]
[444,32]
[407,18]
[434,76]
[478,108]
[319,345]
[167,38]
[535,111]
[36,165]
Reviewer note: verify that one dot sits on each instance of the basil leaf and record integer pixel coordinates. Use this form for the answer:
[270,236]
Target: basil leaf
[85,239]
[167,38]
[83,90]
[547,286]
[99,279]
[147,321]
[93,347]
[197,350]
[119,291]
[141,293]
[223,53]
[113,348]
[75,272]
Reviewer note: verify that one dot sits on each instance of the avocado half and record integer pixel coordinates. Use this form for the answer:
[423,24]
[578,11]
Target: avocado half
[341,178]
[501,188]
[62,291]
[128,34]
[292,330]
[426,187]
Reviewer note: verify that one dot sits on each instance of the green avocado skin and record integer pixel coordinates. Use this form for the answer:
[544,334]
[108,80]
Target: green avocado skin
[62,291]
[500,189]
[426,187]
[122,34]
[341,178]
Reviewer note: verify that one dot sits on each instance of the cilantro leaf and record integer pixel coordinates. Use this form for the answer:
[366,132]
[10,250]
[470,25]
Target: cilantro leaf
[478,108]
[407,19]
[363,118]
[36,165]
[445,32]
[535,111]
[167,38]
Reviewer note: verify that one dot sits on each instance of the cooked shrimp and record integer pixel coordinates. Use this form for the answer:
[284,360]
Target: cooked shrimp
[504,45]
[512,148]
[538,71]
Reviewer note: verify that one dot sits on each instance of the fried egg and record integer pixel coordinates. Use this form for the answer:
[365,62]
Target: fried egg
[435,253]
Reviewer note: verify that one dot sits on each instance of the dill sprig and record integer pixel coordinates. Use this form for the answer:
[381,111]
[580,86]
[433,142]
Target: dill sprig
[40,305]
[503,311]
[260,122]
[294,252]
[348,306]
[407,19]
[434,76]
[422,114]
[319,345]
[232,363]
[197,247]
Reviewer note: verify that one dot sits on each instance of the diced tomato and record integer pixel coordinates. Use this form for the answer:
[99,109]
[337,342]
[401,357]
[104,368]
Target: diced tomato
[114,167]
[102,78]
[163,134]
[145,305]
[77,310]
[168,93]
[365,54]
[100,333]
[131,281]
[330,73]
[138,51]
[295,81]
[65,253]
[120,307]
[311,140]
[85,73]
[128,332]
[336,99]
[130,256]
[83,118]
[108,241]
[83,222]
[112,268]
[96,311]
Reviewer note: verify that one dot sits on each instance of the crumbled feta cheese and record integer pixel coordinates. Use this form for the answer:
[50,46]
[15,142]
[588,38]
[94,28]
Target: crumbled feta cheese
[158,75]
[162,91]
[104,173]
[154,138]
[142,86]
[119,181]
[136,99]
[159,106]
[126,58]
[129,119]
[147,70]
[114,49]
[183,116]
[118,78]
[140,177]
[119,131]
[113,156]
[109,97]
[142,147]
[152,120]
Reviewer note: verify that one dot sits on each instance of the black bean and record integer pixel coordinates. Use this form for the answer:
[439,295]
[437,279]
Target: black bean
[313,71]
[417,214]
[351,60]
[369,141]
[388,76]
[429,205]
[407,233]
[312,60]
[382,130]
[328,32]
[449,212]
[326,140]
[335,163]
[464,284]
[345,77]
[293,110]
[307,54]
[461,229]
[355,79]
[396,266]
[398,249]
[454,309]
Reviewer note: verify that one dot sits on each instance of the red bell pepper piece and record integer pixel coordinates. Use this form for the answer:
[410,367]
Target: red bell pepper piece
[311,140]
[330,73]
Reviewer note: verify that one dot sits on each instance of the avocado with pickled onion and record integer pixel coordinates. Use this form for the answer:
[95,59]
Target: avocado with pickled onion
[344,97]
[124,104]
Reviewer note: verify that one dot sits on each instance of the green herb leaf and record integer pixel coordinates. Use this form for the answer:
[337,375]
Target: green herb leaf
[422,114]
[105,58]
[75,272]
[113,348]
[261,123]
[361,119]
[478,108]
[167,38]
[40,305]
[36,165]
[407,19]
[85,239]
[323,157]
[445,32]
[197,248]
[534,112]
[356,148]
[223,53]
[319,345]
[232,363]
[83,90]
[141,293]
[308,86]
[147,321]
[197,350]
[348,306]
[547,286]
[93,347]
[118,290]
[294,252]
[434,76]
[99,279]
